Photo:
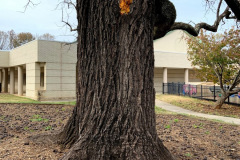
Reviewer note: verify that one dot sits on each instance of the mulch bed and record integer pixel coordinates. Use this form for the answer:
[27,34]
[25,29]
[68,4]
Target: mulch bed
[185,137]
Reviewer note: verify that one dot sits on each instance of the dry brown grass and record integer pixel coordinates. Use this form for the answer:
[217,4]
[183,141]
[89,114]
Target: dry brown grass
[202,106]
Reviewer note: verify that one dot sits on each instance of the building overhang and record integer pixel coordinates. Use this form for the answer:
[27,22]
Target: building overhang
[171,60]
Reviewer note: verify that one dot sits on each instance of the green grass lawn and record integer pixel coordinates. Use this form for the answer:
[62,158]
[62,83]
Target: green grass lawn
[201,106]
[9,98]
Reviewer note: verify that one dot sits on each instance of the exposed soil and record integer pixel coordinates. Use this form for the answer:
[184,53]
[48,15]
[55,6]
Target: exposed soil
[185,137]
[195,138]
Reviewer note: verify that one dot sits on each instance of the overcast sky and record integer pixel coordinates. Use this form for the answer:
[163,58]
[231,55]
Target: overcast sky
[39,19]
[45,18]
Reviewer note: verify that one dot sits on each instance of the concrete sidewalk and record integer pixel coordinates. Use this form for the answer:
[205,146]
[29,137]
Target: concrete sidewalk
[180,110]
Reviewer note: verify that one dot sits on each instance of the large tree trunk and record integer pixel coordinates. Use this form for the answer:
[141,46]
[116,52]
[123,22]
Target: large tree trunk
[114,117]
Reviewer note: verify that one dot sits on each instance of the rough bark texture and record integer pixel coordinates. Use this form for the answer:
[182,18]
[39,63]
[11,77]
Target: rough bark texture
[70,133]
[165,16]
[114,117]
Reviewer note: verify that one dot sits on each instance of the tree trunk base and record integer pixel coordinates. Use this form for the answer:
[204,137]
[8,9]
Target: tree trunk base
[90,148]
[221,101]
[140,148]
[218,107]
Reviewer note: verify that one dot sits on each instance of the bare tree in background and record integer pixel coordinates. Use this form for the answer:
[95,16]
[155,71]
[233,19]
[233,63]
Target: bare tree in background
[10,40]
[7,40]
[22,38]
[3,40]
[46,36]
[12,36]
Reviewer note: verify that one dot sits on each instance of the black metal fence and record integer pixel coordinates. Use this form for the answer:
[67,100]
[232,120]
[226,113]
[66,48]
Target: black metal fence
[212,93]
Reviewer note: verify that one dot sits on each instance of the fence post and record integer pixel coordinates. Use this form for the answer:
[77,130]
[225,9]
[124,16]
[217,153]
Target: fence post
[178,88]
[214,96]
[201,91]
[183,89]
[163,88]
[168,88]
[189,90]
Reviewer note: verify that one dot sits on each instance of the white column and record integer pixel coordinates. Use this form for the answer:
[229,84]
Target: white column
[45,77]
[186,76]
[20,80]
[2,76]
[32,80]
[165,75]
[12,80]
[5,80]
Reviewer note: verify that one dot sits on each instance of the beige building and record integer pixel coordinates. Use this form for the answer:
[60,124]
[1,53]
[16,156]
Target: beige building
[41,70]
[171,63]
[46,70]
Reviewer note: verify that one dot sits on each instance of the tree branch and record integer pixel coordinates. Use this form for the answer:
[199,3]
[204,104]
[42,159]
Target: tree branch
[195,30]
[71,29]
[234,91]
[236,81]
[184,26]
[69,3]
[218,9]
[28,4]
[219,75]
[221,67]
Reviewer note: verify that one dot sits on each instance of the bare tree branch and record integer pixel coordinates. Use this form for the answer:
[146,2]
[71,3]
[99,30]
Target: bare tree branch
[185,26]
[69,25]
[28,4]
[233,4]
[69,3]
[195,30]
[218,9]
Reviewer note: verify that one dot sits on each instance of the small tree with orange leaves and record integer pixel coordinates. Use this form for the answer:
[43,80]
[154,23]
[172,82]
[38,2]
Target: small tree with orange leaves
[218,59]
